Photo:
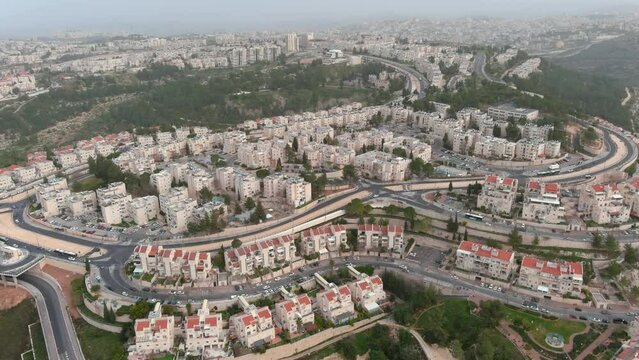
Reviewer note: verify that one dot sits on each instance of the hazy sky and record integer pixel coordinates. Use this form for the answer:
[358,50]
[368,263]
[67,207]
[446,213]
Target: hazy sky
[41,17]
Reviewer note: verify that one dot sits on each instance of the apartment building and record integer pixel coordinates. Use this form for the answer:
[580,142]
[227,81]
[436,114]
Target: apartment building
[53,202]
[204,333]
[113,201]
[497,194]
[630,192]
[254,327]
[542,203]
[45,168]
[143,209]
[533,131]
[530,149]
[382,166]
[603,204]
[274,186]
[561,277]
[82,203]
[161,181]
[485,260]
[336,305]
[254,155]
[154,334]
[294,312]
[298,191]
[225,178]
[193,265]
[390,237]
[6,182]
[493,148]
[197,180]
[178,214]
[246,185]
[507,111]
[326,238]
[367,291]
[53,196]
[25,175]
[52,184]
[265,253]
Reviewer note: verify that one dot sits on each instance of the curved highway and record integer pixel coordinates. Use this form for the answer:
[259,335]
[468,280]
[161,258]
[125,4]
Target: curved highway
[66,340]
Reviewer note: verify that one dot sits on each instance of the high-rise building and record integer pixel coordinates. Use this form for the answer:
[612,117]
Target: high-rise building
[292,43]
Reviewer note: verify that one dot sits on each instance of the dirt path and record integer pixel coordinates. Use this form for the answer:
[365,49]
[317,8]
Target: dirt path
[627,98]
[518,341]
[603,337]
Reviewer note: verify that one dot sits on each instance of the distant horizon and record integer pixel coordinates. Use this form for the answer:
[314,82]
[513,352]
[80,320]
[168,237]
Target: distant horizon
[41,18]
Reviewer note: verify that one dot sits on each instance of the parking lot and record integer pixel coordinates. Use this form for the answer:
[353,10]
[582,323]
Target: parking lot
[427,256]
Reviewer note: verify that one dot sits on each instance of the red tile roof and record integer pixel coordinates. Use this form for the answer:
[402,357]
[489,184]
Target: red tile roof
[288,305]
[153,250]
[141,324]
[485,251]
[491,179]
[552,188]
[248,320]
[344,290]
[211,320]
[376,280]
[553,268]
[329,295]
[161,324]
[304,299]
[534,185]
[192,321]
[265,313]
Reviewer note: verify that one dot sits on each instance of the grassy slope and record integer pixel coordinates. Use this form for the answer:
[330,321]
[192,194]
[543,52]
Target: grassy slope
[464,326]
[99,344]
[616,58]
[14,329]
[540,327]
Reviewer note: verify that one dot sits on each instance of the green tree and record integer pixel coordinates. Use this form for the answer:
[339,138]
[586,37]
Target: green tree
[536,240]
[597,241]
[492,312]
[401,152]
[205,195]
[446,141]
[450,186]
[612,245]
[357,208]
[236,243]
[249,204]
[630,170]
[485,349]
[513,133]
[496,131]
[410,214]
[514,238]
[262,173]
[456,349]
[349,173]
